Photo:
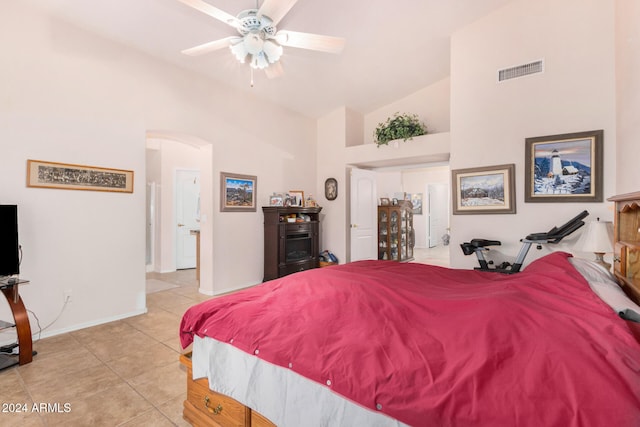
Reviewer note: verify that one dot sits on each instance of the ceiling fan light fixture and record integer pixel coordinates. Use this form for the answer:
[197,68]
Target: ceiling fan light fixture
[259,61]
[260,44]
[253,43]
[273,51]
[238,50]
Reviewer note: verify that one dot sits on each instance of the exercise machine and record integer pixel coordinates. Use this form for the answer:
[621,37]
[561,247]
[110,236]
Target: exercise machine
[555,235]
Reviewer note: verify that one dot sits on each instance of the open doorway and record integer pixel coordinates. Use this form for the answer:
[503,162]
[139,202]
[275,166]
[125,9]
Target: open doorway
[428,186]
[173,186]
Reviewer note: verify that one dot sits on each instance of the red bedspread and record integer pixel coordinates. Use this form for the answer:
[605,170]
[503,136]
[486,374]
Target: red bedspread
[432,346]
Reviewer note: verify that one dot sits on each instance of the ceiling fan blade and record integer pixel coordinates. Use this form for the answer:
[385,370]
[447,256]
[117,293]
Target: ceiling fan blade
[274,70]
[317,42]
[275,9]
[209,47]
[213,12]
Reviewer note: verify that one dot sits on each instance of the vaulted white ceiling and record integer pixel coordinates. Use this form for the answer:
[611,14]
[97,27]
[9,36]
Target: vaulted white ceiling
[393,48]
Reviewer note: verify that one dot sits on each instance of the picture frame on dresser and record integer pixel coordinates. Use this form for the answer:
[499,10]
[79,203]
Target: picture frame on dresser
[238,192]
[276,200]
[296,198]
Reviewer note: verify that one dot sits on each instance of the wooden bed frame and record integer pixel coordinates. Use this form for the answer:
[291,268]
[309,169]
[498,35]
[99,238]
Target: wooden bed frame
[204,407]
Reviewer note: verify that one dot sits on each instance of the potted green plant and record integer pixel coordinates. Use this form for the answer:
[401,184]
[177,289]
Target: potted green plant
[400,126]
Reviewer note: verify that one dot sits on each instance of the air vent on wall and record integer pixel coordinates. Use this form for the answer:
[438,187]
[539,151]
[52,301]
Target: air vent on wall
[521,70]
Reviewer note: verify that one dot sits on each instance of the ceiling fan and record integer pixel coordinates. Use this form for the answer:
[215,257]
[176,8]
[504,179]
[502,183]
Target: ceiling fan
[259,42]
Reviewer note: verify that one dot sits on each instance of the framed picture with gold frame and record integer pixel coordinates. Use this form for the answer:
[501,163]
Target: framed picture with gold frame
[484,190]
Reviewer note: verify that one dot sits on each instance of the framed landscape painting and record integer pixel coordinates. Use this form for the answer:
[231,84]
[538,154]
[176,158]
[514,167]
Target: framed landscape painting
[484,190]
[564,168]
[237,192]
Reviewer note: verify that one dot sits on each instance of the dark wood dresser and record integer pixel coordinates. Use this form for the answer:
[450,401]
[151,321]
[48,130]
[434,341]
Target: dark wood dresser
[291,240]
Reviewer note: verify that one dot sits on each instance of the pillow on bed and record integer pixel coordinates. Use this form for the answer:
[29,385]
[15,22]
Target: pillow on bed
[591,270]
[604,284]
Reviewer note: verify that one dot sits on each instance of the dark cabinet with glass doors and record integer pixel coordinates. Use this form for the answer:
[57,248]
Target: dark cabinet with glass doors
[396,237]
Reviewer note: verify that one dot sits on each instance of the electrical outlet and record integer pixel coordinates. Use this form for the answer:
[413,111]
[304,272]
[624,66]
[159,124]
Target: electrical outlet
[68,295]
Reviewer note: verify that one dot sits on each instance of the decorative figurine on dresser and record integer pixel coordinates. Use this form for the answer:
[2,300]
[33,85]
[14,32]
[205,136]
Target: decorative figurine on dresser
[291,240]
[395,231]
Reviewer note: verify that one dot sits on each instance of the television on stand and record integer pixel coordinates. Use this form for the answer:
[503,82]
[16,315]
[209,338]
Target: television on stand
[9,247]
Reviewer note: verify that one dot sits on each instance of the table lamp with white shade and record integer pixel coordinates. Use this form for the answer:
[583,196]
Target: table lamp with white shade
[597,237]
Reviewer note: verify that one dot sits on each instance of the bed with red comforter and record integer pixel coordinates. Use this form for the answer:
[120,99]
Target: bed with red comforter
[424,345]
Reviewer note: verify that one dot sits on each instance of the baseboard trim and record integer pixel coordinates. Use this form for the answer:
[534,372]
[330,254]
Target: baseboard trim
[88,324]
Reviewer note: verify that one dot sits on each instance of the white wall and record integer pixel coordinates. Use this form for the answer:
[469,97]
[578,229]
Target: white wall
[430,104]
[388,183]
[628,94]
[69,96]
[332,140]
[490,120]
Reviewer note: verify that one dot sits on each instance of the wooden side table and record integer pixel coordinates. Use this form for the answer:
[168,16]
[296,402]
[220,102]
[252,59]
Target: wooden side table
[9,288]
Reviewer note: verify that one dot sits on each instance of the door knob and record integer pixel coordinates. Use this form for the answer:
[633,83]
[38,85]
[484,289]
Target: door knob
[180,225]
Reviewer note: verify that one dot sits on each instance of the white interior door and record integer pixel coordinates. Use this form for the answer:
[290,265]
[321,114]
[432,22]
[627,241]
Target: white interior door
[438,211]
[363,215]
[187,217]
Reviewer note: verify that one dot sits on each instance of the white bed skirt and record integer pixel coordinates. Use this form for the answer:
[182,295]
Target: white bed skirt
[281,395]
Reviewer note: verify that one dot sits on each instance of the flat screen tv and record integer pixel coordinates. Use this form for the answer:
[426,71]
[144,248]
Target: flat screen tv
[9,249]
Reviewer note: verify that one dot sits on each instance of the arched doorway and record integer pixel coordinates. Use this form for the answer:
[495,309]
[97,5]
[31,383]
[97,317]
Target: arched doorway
[167,155]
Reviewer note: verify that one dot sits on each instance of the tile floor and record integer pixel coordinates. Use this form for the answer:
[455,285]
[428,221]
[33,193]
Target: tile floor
[100,372]
[438,255]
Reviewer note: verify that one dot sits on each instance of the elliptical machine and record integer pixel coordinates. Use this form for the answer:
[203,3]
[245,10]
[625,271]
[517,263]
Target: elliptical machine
[555,235]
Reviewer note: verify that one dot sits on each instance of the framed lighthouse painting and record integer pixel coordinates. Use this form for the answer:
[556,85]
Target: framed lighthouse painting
[564,168]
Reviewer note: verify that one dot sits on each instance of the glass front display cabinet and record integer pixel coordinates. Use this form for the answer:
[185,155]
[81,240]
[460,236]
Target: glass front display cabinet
[396,236]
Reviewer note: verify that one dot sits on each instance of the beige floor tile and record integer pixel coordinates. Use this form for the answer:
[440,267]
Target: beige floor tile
[174,344]
[22,418]
[152,418]
[173,410]
[130,365]
[161,384]
[12,389]
[180,309]
[54,345]
[109,347]
[108,407]
[168,300]
[158,324]
[64,388]
[190,292]
[52,367]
